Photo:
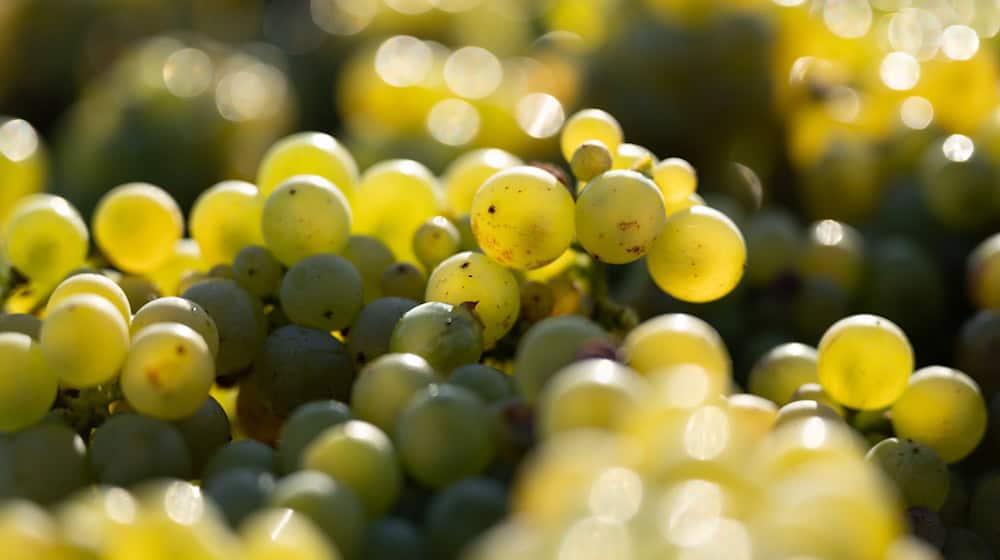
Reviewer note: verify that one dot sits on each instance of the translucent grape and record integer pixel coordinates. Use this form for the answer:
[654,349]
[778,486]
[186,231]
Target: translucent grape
[224,219]
[587,125]
[178,310]
[307,153]
[699,257]
[372,330]
[984,274]
[238,493]
[815,392]
[463,177]
[239,319]
[864,362]
[27,385]
[590,160]
[305,215]
[690,202]
[473,277]
[45,238]
[307,422]
[129,448]
[258,271]
[44,463]
[618,215]
[773,244]
[435,240]
[834,250]
[97,284]
[168,371]
[920,475]
[754,415]
[371,258]
[779,373]
[180,268]
[489,384]
[204,432]
[634,157]
[676,178]
[322,291]
[136,225]
[676,339]
[384,388]
[84,340]
[276,534]
[23,323]
[392,538]
[24,163]
[330,504]
[446,336]
[592,393]
[550,345]
[403,280]
[245,454]
[461,513]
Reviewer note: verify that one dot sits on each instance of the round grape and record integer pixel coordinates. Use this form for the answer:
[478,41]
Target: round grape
[302,427]
[28,387]
[258,271]
[463,177]
[372,330]
[618,215]
[473,277]
[306,215]
[96,284]
[178,310]
[84,340]
[371,258]
[224,219]
[322,291]
[588,125]
[303,153]
[45,238]
[136,225]
[446,336]
[385,386]
[168,371]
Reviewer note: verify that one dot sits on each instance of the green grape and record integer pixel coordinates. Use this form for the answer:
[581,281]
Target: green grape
[28,387]
[699,257]
[307,153]
[306,215]
[224,219]
[136,225]
[371,258]
[522,217]
[44,463]
[779,373]
[634,157]
[963,544]
[444,435]
[168,372]
[773,244]
[238,455]
[864,362]
[445,335]
[689,202]
[592,393]
[677,180]
[394,198]
[435,240]
[983,273]
[588,125]
[589,160]
[461,513]
[322,291]
[238,493]
[138,290]
[179,268]
[473,277]
[330,504]
[550,345]
[618,215]
[489,384]
[463,177]
[983,511]
[178,310]
[204,432]
[676,339]
[978,352]
[385,386]
[958,185]
[941,408]
[833,250]
[24,164]
[129,448]
[278,534]
[815,392]
[403,280]
[97,284]
[258,271]
[920,475]
[296,365]
[372,330]
[239,318]
[392,538]
[45,238]
[538,301]
[84,340]
[302,427]
[23,323]
[362,457]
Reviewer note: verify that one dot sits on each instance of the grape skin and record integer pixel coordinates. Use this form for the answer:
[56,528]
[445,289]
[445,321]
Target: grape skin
[28,387]
[224,219]
[618,215]
[307,152]
[307,422]
[136,226]
[385,386]
[45,238]
[97,284]
[322,291]
[84,340]
[588,125]
[306,215]
[331,505]
[473,277]
[174,309]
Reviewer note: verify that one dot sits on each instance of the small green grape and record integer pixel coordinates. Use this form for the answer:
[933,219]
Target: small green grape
[676,178]
[864,362]
[489,384]
[403,280]
[435,240]
[330,504]
[323,292]
[45,238]
[446,336]
[371,258]
[593,393]
[28,386]
[302,427]
[305,215]
[590,160]
[921,476]
[96,284]
[588,125]
[179,310]
[258,271]
[384,387]
[372,330]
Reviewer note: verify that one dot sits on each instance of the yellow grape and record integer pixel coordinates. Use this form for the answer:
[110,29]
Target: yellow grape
[23,163]
[474,277]
[168,371]
[943,409]
[306,215]
[864,362]
[589,160]
[84,340]
[136,225]
[523,218]
[307,153]
[45,238]
[699,256]
[279,534]
[676,178]
[587,125]
[185,260]
[225,219]
[97,284]
[29,533]
[633,157]
[779,373]
[468,172]
[753,414]
[984,274]
[834,250]
[677,339]
[618,215]
[27,386]
[592,393]
[814,392]
[174,309]
[692,200]
[436,240]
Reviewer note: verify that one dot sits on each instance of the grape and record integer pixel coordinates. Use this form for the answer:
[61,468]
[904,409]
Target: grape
[224,219]
[489,384]
[403,280]
[635,158]
[84,340]
[550,345]
[523,218]
[385,386]
[302,427]
[394,198]
[204,432]
[178,310]
[392,538]
[676,178]
[276,534]
[178,271]
[864,362]
[983,511]
[323,292]
[330,504]
[362,457]
[238,493]
[978,351]
[435,240]
[691,201]
[589,160]
[372,330]
[255,414]
[966,545]
[779,373]
[538,301]
[138,290]
[444,435]
[371,258]
[833,250]
[446,336]
[168,371]
[943,409]
[45,238]
[24,163]
[258,271]
[462,512]
[305,215]
[588,125]
[238,455]
[983,273]
[815,392]
[699,257]
[920,475]
[473,277]
[43,463]
[96,284]
[959,193]
[136,225]
[21,323]
[307,153]
[129,448]
[28,387]
[468,172]
[754,415]
[239,319]
[592,393]
[676,339]
[618,216]
[773,244]
[296,365]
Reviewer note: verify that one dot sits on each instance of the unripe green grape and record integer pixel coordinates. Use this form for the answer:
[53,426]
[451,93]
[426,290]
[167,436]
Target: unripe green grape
[773,244]
[224,219]
[371,258]
[435,240]
[258,271]
[489,384]
[676,178]
[983,273]
[461,513]
[307,422]
[779,373]
[96,284]
[920,475]
[307,153]
[550,345]
[305,215]
[958,183]
[463,177]
[618,216]
[136,225]
[178,310]
[590,394]
[238,317]
[244,454]
[23,323]
[589,160]
[833,250]
[330,504]
[45,238]
[239,493]
[446,336]
[587,125]
[370,334]
[84,340]
[28,387]
[271,534]
[384,387]
[130,448]
[322,291]
[538,301]
[403,280]
[204,432]
[392,538]
[473,277]
[44,463]
[815,392]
